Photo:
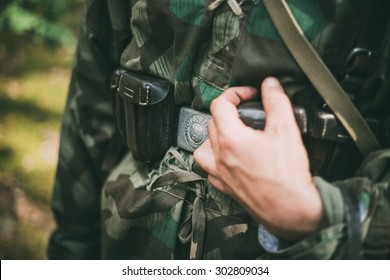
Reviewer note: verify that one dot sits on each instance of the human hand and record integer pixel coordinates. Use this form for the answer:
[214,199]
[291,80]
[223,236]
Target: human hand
[267,172]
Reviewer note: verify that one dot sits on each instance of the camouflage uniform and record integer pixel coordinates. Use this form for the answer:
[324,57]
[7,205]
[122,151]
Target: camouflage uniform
[134,211]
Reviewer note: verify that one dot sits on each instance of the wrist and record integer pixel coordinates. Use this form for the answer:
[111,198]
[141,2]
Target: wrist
[301,218]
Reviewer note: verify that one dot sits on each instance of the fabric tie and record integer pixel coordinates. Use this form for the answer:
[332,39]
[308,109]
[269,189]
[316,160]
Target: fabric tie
[232,4]
[194,226]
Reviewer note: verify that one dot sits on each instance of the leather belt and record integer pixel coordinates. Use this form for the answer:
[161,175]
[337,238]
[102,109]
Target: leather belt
[193,124]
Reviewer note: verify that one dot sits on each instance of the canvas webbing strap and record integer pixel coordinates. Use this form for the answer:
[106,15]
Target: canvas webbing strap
[320,76]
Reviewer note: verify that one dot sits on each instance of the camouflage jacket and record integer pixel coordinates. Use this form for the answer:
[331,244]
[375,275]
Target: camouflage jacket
[132,211]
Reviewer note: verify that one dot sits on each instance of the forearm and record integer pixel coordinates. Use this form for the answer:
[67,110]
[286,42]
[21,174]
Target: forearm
[371,191]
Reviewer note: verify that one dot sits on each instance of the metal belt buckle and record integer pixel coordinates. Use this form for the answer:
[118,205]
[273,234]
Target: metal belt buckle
[192,128]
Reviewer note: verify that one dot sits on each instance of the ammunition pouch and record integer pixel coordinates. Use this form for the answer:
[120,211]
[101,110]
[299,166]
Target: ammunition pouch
[144,112]
[333,154]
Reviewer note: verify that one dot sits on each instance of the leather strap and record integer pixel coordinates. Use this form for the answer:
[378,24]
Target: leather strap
[320,76]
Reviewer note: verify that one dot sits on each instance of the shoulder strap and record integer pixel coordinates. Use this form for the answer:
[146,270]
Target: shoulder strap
[320,76]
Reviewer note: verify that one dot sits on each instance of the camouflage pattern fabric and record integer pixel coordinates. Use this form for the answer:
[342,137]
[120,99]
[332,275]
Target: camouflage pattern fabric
[148,215]
[136,210]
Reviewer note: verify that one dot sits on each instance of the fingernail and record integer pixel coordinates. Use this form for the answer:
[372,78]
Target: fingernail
[271,82]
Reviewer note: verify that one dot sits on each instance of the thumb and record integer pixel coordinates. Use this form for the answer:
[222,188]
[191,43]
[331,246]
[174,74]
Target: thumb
[277,106]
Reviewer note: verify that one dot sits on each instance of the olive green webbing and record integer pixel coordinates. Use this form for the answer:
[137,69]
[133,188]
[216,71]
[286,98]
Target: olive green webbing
[320,76]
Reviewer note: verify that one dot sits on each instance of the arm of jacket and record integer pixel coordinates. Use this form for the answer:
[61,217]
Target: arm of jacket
[87,131]
[371,189]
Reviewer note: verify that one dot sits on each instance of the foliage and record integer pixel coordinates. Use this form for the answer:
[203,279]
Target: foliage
[35,66]
[35,19]
[26,25]
[31,105]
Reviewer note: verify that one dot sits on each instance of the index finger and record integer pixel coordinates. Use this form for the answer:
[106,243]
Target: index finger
[224,108]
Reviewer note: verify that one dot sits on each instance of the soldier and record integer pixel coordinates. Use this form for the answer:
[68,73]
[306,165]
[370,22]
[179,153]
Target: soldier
[270,194]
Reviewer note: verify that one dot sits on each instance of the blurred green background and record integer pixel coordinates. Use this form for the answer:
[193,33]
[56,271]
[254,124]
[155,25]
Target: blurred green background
[37,41]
